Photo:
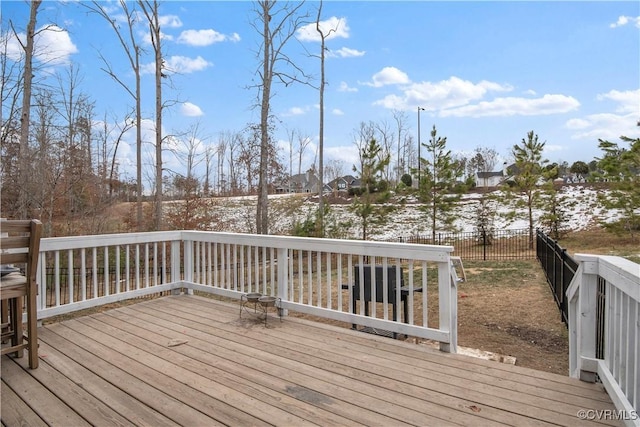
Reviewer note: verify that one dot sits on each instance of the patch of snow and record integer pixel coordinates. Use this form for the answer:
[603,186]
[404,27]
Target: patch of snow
[583,212]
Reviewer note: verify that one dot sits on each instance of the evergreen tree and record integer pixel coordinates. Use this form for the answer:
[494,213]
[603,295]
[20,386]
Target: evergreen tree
[531,177]
[369,204]
[484,219]
[555,210]
[438,187]
[621,167]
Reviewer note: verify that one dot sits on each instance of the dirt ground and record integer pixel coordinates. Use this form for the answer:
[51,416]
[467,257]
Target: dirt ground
[508,308]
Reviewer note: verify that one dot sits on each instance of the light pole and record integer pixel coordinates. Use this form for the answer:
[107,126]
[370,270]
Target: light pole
[419,109]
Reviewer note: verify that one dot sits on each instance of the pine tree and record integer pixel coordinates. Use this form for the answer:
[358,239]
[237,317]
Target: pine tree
[369,204]
[621,167]
[530,175]
[438,186]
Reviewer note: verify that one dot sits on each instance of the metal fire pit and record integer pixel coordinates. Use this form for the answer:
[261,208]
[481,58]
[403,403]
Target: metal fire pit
[266,302]
[250,298]
[262,301]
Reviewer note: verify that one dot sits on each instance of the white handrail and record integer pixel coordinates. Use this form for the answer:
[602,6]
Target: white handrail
[312,276]
[604,317]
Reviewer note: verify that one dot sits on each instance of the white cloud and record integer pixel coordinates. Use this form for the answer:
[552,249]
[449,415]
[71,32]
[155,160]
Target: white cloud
[512,106]
[295,111]
[629,100]
[624,20]
[606,126]
[191,110]
[344,87]
[205,37]
[610,126]
[345,52]
[146,36]
[576,124]
[52,46]
[388,76]
[346,153]
[450,93]
[553,148]
[337,112]
[171,21]
[332,28]
[179,64]
[530,92]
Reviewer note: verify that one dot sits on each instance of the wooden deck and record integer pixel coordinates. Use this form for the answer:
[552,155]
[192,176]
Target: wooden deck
[188,360]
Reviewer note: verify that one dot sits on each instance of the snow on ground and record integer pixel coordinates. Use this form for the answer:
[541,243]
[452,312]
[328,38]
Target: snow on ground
[238,213]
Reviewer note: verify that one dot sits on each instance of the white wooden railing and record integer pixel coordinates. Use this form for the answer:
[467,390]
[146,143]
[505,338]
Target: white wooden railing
[604,329]
[310,276]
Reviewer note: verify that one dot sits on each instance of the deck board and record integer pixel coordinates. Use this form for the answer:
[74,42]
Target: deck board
[188,360]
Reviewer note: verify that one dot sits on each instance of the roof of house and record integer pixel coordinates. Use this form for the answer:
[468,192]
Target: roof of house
[489,174]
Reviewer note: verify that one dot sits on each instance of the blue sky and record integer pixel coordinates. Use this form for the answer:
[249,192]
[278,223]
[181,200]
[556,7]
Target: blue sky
[485,72]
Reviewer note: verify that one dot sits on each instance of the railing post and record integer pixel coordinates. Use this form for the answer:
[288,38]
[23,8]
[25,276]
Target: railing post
[283,276]
[187,263]
[448,298]
[587,313]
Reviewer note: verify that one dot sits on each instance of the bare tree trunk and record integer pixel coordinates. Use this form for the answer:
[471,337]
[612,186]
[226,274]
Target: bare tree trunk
[132,50]
[152,14]
[320,225]
[25,117]
[274,41]
[262,210]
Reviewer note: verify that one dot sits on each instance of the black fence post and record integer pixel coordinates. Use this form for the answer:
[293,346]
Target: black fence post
[484,244]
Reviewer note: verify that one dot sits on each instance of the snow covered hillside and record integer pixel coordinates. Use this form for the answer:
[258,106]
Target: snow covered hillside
[237,214]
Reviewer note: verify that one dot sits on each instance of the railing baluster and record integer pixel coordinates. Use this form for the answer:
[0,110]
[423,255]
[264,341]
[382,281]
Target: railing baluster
[339,279]
[309,278]
[94,268]
[117,247]
[83,273]
[70,298]
[106,284]
[127,266]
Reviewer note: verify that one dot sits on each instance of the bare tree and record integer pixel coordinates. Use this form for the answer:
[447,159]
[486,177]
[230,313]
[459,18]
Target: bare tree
[191,152]
[209,153]
[25,117]
[276,26]
[400,117]
[303,143]
[132,51]
[10,90]
[385,139]
[223,142]
[75,112]
[364,135]
[334,170]
[323,37]
[121,128]
[234,147]
[484,160]
[150,10]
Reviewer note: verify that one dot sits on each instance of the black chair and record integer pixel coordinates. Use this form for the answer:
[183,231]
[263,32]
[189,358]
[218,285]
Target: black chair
[379,290]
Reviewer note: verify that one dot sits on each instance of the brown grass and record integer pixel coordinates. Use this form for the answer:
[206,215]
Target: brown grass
[508,308]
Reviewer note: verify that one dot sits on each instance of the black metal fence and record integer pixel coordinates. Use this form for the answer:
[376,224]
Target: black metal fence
[559,268]
[482,245]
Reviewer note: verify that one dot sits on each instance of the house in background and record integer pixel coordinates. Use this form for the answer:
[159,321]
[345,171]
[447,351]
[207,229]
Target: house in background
[307,182]
[489,179]
[344,183]
[496,179]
